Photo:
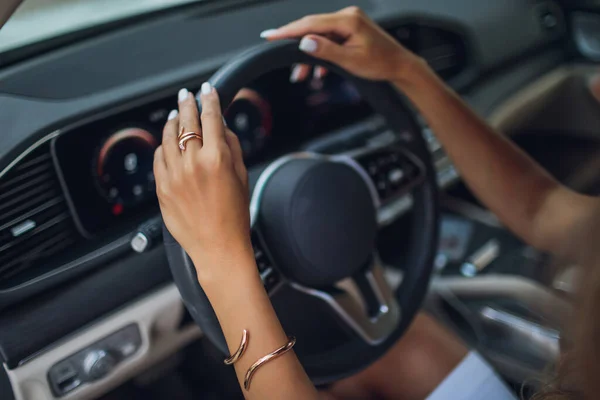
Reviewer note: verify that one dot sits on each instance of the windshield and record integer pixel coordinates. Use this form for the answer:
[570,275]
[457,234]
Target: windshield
[38,20]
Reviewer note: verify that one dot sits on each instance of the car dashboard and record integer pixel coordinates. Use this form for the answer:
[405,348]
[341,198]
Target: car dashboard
[80,124]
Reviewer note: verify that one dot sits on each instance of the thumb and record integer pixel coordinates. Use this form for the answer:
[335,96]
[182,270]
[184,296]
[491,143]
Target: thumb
[325,49]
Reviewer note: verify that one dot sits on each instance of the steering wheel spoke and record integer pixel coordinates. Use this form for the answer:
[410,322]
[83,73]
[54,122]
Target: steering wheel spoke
[365,302]
[269,275]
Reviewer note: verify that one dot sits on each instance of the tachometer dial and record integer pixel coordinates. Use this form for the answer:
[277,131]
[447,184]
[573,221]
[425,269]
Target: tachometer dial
[250,117]
[124,167]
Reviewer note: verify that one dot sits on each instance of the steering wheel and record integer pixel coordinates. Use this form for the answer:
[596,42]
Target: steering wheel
[315,220]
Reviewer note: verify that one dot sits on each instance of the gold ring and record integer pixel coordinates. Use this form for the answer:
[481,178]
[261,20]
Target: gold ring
[187,137]
[191,134]
[183,133]
[240,351]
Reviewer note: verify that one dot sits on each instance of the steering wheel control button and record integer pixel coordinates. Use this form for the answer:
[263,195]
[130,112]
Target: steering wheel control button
[395,176]
[98,363]
[321,218]
[269,276]
[393,172]
[95,361]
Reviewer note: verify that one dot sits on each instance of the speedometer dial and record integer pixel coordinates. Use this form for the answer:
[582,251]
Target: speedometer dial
[124,167]
[250,117]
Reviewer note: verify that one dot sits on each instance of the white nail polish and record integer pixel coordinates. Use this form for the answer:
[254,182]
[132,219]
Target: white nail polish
[295,75]
[308,45]
[206,88]
[172,115]
[183,94]
[268,33]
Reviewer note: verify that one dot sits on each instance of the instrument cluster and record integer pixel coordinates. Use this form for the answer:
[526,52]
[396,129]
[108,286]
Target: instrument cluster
[106,165]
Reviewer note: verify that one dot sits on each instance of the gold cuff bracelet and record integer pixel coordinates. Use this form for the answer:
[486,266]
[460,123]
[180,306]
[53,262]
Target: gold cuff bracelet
[262,361]
[240,351]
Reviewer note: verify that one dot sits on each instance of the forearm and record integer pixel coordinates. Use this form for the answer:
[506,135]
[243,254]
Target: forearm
[520,192]
[240,302]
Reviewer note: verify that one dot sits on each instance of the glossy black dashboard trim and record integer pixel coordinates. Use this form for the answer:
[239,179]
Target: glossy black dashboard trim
[45,320]
[65,189]
[128,106]
[472,70]
[103,253]
[67,271]
[27,151]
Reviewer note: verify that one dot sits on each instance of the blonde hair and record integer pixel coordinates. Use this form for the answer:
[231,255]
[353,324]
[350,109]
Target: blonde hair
[577,375]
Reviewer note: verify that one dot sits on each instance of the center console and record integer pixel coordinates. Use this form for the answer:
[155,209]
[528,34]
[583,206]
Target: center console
[495,292]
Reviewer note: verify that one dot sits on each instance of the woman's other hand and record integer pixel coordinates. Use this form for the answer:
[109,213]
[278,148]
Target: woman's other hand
[203,190]
[350,39]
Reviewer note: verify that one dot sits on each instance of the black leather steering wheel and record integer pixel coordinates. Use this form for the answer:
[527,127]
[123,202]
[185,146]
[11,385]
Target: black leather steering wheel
[315,220]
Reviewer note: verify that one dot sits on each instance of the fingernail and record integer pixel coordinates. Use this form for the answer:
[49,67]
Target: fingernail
[224,122]
[172,115]
[268,33]
[295,75]
[319,72]
[308,45]
[183,94]
[206,88]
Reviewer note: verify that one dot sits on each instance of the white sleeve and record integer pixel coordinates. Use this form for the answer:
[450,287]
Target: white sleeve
[472,379]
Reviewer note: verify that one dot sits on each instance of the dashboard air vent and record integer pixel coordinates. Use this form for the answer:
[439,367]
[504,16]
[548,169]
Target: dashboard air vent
[35,223]
[444,50]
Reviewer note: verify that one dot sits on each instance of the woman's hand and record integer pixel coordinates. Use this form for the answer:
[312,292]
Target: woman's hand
[203,195]
[203,191]
[351,40]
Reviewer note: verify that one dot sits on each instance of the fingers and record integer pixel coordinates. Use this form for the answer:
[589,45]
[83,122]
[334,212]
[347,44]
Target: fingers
[320,34]
[237,156]
[170,143]
[320,72]
[212,118]
[299,73]
[323,48]
[342,24]
[189,119]
[160,168]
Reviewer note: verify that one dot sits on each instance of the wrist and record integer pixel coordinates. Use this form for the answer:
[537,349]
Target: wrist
[219,264]
[422,86]
[412,73]
[229,282]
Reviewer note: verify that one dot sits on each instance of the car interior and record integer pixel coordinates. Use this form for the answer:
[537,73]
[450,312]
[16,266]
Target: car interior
[97,302]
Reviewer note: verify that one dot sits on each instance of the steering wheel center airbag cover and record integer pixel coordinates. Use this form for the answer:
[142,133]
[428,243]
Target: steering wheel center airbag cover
[321,217]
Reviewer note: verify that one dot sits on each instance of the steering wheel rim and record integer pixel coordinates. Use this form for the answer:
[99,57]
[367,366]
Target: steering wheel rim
[353,355]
